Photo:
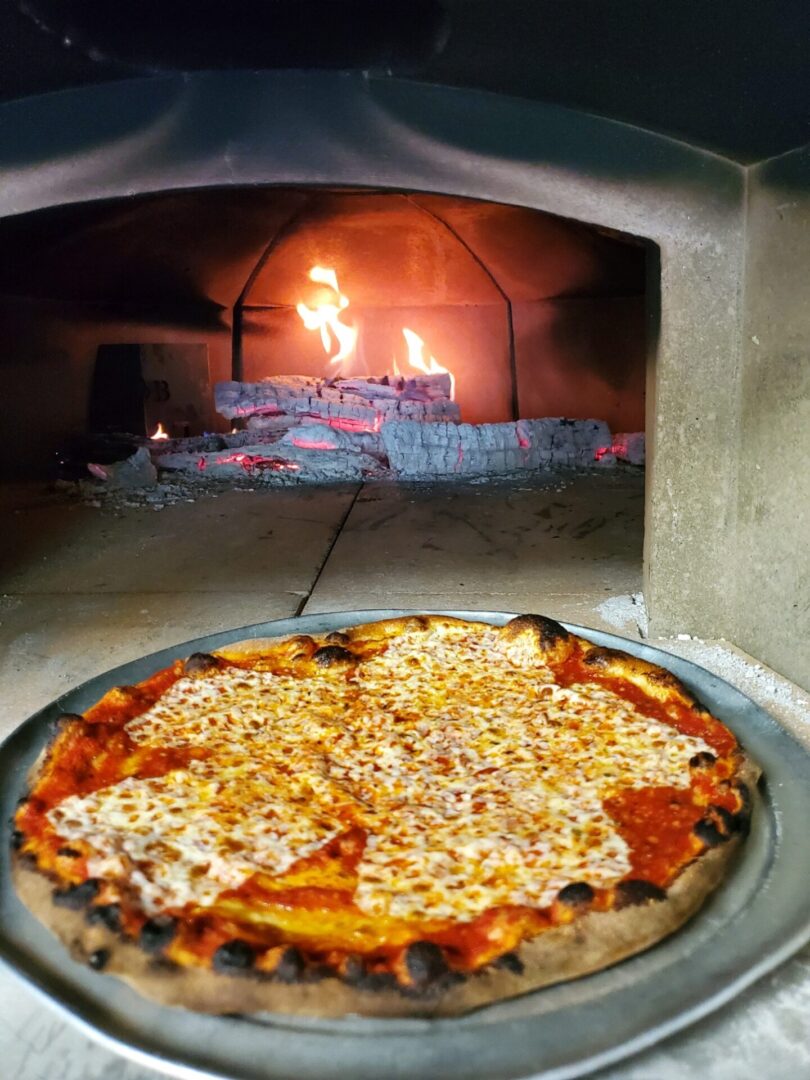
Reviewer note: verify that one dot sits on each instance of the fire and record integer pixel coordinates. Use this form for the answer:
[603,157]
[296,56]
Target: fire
[327,317]
[416,359]
[159,432]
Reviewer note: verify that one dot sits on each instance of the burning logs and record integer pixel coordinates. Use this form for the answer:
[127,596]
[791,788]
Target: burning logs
[351,404]
[310,430]
[430,451]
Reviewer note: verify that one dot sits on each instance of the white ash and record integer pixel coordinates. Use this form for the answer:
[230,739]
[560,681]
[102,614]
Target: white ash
[136,471]
[171,489]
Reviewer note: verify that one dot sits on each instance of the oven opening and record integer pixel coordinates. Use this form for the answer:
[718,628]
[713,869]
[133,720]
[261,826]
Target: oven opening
[185,315]
[457,386]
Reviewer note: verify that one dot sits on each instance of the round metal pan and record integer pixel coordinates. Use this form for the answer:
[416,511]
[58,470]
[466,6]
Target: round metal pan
[752,923]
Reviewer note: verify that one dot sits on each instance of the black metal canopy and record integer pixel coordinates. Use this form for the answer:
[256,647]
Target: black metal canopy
[730,75]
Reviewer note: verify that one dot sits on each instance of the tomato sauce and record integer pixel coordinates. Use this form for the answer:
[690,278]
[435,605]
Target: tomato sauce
[656,824]
[688,720]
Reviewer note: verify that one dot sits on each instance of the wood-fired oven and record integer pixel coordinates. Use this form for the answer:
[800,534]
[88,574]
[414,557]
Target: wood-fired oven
[388,323]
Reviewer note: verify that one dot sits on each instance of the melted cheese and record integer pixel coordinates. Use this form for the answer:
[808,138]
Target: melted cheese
[480,781]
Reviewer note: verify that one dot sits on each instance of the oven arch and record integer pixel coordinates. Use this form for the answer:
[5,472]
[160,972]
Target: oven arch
[236,128]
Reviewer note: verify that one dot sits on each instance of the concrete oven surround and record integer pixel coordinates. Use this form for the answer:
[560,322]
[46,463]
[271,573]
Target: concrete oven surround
[728,511]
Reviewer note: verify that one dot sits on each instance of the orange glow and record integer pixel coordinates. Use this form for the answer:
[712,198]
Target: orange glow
[159,432]
[326,317]
[416,359]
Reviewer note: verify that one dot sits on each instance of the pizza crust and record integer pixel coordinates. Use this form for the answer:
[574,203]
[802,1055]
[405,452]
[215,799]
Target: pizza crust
[588,944]
[591,942]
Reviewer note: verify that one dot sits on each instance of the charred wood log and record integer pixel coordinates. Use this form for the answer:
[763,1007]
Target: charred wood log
[430,451]
[367,401]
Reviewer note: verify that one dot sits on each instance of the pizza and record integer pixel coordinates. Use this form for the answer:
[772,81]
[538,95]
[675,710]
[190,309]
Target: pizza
[417,816]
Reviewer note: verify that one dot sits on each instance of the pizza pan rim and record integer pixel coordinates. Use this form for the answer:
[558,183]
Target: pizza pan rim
[615,1013]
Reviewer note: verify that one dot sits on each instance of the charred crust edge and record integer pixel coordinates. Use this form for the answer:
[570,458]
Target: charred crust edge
[106,915]
[720,825]
[601,657]
[428,972]
[76,897]
[233,956]
[702,760]
[290,967]
[98,959]
[200,663]
[510,961]
[708,833]
[662,677]
[425,963]
[328,655]
[156,934]
[62,720]
[637,891]
[576,894]
[548,631]
[374,982]
[742,819]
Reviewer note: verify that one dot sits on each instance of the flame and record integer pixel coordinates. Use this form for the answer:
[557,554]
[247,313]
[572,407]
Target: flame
[416,359]
[326,317]
[159,432]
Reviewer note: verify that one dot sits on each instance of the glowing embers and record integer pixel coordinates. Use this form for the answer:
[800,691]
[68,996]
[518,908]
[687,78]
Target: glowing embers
[327,317]
[250,463]
[627,446]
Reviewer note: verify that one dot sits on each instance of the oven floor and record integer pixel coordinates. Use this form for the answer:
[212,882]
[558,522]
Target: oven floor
[83,589]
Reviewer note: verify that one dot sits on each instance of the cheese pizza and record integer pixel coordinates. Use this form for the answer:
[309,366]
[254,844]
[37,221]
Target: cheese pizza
[416,816]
